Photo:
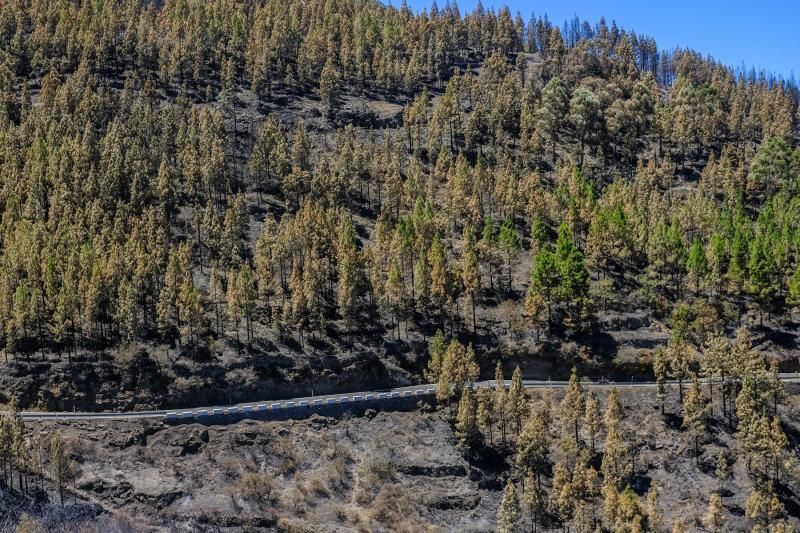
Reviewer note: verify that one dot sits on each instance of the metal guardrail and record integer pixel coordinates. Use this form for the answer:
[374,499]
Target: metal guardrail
[305,406]
[299,407]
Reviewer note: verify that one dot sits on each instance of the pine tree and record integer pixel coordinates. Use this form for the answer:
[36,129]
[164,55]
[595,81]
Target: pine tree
[508,514]
[722,472]
[534,309]
[592,418]
[655,515]
[561,502]
[550,114]
[189,310]
[696,264]
[775,386]
[216,295]
[19,447]
[459,366]
[470,274]
[270,159]
[677,357]
[328,81]
[544,278]
[660,372]
[14,453]
[444,390]
[572,406]
[247,297]
[500,399]
[301,147]
[747,362]
[793,284]
[436,351]
[613,413]
[717,259]
[629,513]
[533,501]
[611,498]
[517,400]
[510,242]
[347,288]
[533,444]
[488,249]
[396,295]
[714,365]
[6,449]
[485,415]
[615,467]
[466,426]
[165,309]
[125,314]
[749,407]
[772,166]
[574,279]
[695,413]
[761,269]
[233,303]
[763,507]
[775,446]
[585,114]
[437,259]
[62,468]
[556,50]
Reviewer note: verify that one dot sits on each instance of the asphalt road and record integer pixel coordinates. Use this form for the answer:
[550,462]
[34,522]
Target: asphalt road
[308,403]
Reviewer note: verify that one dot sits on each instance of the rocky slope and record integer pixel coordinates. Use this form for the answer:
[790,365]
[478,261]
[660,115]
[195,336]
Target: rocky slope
[385,471]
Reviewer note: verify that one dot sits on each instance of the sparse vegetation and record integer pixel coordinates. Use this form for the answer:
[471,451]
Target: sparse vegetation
[256,488]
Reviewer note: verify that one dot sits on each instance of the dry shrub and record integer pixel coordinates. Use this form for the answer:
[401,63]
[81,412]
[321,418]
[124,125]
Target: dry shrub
[335,476]
[28,524]
[293,525]
[390,511]
[295,499]
[388,506]
[374,470]
[256,488]
[317,486]
[80,449]
[229,466]
[116,523]
[339,451]
[340,512]
[339,458]
[248,462]
[287,453]
[377,469]
[361,496]
[185,385]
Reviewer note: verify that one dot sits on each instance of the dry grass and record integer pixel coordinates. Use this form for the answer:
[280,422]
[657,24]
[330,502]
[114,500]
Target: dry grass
[296,498]
[317,486]
[389,511]
[338,471]
[286,452]
[256,489]
[376,469]
[293,525]
[229,466]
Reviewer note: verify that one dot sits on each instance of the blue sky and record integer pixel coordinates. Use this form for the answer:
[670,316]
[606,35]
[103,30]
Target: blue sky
[764,34]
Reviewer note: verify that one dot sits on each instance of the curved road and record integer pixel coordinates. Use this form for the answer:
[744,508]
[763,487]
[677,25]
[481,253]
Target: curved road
[246,410]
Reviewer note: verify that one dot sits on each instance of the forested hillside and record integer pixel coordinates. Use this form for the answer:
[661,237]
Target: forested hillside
[278,192]
[212,201]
